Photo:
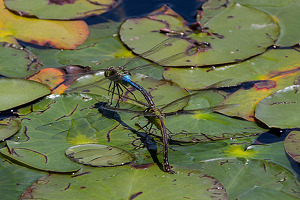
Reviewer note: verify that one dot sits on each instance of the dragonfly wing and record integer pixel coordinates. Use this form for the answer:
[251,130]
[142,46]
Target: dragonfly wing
[206,109]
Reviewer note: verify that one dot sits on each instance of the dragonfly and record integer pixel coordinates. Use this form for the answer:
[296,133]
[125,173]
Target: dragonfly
[156,117]
[120,78]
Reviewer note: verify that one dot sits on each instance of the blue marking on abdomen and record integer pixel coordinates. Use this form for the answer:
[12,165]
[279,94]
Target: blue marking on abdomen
[127,80]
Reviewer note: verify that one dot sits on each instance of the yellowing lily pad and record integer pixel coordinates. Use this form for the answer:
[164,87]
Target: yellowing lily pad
[58,34]
[61,9]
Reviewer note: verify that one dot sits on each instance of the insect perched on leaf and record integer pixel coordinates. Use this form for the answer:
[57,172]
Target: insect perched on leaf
[157,117]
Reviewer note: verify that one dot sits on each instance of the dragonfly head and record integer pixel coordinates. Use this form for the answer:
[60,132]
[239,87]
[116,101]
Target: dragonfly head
[115,74]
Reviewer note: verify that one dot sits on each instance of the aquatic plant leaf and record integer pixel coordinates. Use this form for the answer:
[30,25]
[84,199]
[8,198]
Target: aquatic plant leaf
[209,126]
[56,123]
[8,127]
[98,155]
[162,91]
[225,44]
[17,61]
[16,92]
[15,179]
[141,183]
[63,9]
[58,34]
[272,65]
[281,109]
[285,13]
[232,173]
[291,145]
[59,79]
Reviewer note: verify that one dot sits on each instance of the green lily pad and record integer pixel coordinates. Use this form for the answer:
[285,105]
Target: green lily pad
[17,61]
[285,13]
[260,193]
[15,179]
[97,155]
[241,176]
[104,49]
[291,145]
[61,9]
[274,64]
[162,91]
[226,45]
[8,127]
[209,126]
[205,125]
[281,109]
[56,123]
[16,92]
[136,183]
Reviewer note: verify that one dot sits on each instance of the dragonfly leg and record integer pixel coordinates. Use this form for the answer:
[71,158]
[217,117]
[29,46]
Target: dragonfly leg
[120,93]
[129,91]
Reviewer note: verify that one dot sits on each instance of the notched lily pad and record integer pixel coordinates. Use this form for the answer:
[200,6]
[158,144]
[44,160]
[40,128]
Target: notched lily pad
[281,109]
[16,92]
[292,145]
[17,61]
[61,9]
[8,127]
[98,155]
[224,41]
[150,183]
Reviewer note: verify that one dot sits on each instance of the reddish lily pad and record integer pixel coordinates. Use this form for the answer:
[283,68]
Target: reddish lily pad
[225,42]
[292,145]
[59,79]
[58,34]
[60,9]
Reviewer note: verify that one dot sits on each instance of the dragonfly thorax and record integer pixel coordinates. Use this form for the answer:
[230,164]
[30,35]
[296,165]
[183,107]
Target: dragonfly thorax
[117,74]
[155,117]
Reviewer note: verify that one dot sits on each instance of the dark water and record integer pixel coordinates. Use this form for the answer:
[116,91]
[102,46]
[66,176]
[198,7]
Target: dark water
[136,8]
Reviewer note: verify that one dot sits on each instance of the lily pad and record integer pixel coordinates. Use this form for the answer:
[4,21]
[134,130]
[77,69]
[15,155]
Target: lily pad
[15,179]
[286,15]
[140,183]
[291,145]
[162,91]
[281,109]
[258,174]
[61,9]
[59,34]
[56,123]
[206,125]
[103,49]
[225,44]
[8,127]
[17,61]
[16,92]
[272,65]
[97,155]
